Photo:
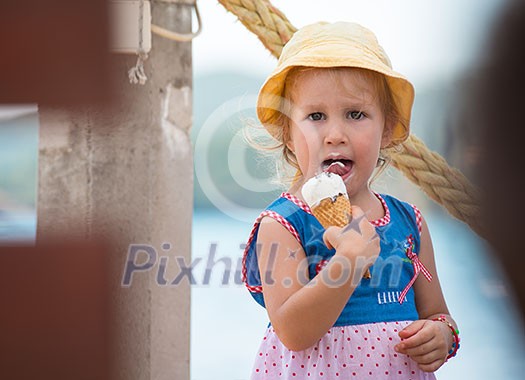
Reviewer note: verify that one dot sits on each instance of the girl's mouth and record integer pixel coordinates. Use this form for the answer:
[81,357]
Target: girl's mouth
[342,167]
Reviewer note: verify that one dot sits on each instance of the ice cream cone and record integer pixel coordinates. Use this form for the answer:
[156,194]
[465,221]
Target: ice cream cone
[327,198]
[333,212]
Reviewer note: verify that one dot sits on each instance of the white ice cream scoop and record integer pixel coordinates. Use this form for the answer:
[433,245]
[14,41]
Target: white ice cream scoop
[322,186]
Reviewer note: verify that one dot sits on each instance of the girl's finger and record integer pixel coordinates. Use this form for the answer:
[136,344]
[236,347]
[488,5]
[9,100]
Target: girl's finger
[330,236]
[411,329]
[421,349]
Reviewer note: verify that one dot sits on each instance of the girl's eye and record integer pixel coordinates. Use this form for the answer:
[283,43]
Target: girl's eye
[317,116]
[356,115]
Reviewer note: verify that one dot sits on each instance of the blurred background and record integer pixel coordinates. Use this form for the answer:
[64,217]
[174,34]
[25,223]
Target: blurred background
[18,172]
[437,45]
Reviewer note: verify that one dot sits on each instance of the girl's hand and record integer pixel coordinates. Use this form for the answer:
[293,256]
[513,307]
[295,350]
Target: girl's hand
[357,240]
[426,342]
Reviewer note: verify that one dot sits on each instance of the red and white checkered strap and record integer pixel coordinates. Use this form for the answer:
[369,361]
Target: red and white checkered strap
[385,219]
[297,202]
[418,267]
[419,218]
[285,223]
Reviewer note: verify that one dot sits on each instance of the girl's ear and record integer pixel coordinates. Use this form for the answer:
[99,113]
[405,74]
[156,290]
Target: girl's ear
[386,139]
[290,146]
[288,138]
[289,143]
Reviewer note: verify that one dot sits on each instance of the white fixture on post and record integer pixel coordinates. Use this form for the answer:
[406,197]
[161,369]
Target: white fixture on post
[130,26]
[131,30]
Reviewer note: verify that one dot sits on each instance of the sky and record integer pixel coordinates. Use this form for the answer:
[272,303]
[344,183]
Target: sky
[426,40]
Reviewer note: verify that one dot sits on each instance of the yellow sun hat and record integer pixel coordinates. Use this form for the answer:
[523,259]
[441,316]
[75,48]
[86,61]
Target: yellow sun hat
[340,44]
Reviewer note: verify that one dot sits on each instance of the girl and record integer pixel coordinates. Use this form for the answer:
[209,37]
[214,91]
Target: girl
[335,104]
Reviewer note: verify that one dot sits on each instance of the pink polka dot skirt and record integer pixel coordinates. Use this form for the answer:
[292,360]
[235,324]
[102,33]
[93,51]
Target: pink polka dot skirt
[348,352]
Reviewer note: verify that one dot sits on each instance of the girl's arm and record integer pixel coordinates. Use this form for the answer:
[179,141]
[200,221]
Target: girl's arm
[301,312]
[426,341]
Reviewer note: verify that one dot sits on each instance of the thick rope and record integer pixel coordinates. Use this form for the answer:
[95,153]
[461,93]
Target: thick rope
[179,37]
[264,20]
[425,168]
[440,182]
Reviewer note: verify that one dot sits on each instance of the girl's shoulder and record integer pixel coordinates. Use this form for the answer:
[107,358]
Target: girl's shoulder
[294,215]
[291,212]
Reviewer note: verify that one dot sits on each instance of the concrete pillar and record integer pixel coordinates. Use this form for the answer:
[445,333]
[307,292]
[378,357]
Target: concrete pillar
[124,171]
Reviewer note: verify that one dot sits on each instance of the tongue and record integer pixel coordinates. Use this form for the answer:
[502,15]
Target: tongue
[338,168]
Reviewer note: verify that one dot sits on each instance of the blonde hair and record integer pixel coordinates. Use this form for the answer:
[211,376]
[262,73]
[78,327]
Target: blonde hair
[280,128]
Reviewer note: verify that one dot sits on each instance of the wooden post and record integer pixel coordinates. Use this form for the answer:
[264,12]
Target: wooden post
[124,171]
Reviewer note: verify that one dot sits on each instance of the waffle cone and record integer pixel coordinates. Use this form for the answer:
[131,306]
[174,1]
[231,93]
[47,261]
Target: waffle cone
[335,212]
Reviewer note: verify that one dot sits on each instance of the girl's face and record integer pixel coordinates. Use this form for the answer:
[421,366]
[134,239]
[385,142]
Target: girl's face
[336,125]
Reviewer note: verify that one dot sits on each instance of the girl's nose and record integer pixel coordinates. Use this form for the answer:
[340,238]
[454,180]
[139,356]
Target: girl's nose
[335,134]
